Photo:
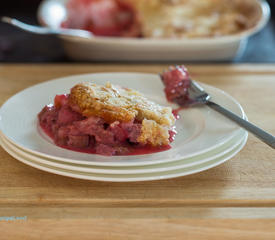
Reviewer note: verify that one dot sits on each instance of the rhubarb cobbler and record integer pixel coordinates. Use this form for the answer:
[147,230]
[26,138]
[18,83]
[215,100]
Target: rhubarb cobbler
[108,120]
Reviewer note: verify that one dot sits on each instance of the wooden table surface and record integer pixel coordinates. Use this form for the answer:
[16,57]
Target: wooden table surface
[235,200]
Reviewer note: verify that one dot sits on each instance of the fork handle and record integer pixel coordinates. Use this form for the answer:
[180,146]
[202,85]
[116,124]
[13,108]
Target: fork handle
[261,134]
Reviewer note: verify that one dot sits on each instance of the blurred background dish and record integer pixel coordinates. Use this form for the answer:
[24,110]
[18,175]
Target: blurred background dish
[47,49]
[53,13]
[154,18]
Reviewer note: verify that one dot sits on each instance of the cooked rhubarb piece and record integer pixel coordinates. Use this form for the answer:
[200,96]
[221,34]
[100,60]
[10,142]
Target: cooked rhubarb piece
[176,81]
[108,120]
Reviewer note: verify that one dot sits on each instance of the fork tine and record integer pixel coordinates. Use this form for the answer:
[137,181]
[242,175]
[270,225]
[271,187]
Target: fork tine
[197,93]
[196,86]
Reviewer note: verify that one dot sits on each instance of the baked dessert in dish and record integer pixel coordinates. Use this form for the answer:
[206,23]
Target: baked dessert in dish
[108,120]
[162,18]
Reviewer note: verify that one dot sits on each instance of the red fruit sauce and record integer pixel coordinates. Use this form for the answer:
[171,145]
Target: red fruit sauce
[176,112]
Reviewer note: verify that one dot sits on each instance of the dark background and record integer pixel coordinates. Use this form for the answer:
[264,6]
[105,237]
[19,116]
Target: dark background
[19,46]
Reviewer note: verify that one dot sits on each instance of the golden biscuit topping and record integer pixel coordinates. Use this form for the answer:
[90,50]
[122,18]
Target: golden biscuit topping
[114,103]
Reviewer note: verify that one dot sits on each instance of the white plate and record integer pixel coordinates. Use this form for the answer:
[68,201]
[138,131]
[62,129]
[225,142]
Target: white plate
[129,177]
[224,149]
[199,129]
[52,12]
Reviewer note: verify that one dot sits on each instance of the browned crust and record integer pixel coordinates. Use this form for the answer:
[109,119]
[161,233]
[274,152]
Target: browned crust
[113,103]
[84,97]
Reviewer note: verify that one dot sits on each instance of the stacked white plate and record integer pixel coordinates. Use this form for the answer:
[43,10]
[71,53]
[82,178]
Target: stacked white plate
[205,138]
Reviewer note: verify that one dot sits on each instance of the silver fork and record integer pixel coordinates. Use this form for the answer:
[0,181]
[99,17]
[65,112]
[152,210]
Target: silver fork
[197,95]
[46,30]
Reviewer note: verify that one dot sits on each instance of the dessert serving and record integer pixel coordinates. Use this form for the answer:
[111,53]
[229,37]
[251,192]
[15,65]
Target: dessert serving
[162,18]
[108,120]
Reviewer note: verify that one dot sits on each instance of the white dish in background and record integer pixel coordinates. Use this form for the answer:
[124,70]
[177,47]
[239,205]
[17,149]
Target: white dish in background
[129,177]
[189,162]
[52,12]
[199,129]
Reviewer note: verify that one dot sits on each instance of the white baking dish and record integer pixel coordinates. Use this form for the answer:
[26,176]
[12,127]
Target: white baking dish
[52,12]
